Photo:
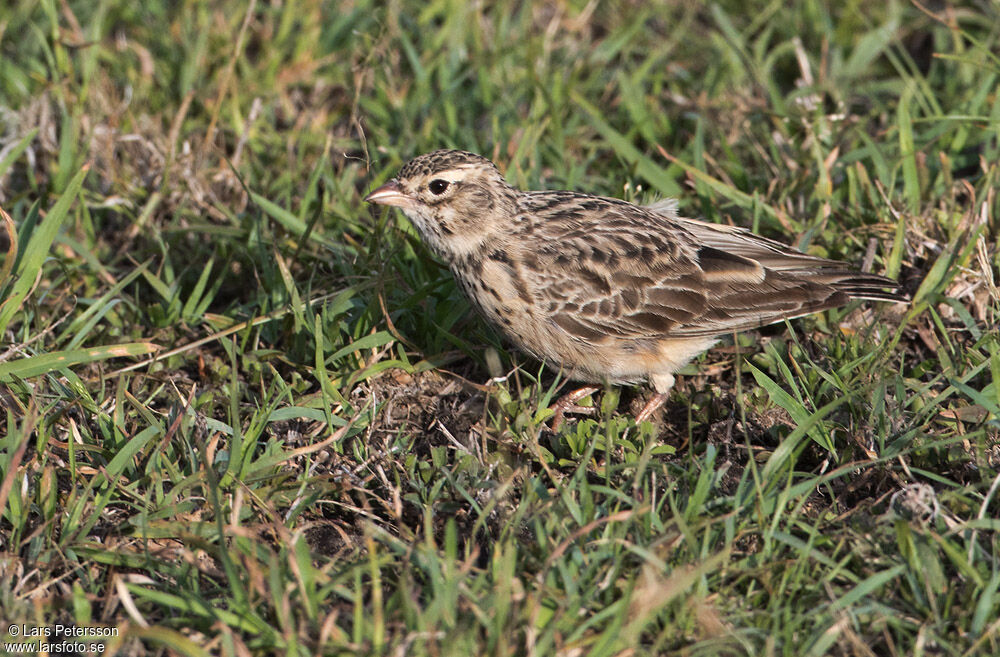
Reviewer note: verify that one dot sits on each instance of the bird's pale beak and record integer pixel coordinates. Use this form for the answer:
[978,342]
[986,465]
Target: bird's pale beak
[390,194]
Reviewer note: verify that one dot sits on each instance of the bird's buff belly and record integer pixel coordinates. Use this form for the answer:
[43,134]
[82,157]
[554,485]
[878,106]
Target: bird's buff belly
[607,360]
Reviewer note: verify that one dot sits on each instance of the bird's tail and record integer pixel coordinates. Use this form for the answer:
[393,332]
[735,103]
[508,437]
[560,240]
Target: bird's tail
[859,285]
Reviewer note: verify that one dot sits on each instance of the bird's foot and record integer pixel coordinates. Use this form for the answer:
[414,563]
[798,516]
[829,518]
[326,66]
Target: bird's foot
[567,404]
[654,403]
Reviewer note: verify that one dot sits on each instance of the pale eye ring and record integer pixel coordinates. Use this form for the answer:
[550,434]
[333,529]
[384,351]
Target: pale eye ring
[437,186]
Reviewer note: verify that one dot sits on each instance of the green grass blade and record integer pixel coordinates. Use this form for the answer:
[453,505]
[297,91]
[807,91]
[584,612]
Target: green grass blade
[25,368]
[37,249]
[16,152]
[657,176]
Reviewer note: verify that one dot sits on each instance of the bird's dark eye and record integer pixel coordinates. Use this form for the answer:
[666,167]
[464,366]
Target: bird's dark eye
[437,186]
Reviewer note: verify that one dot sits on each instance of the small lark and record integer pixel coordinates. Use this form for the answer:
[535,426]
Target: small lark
[609,291]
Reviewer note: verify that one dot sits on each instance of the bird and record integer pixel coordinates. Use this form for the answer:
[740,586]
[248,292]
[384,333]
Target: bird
[609,291]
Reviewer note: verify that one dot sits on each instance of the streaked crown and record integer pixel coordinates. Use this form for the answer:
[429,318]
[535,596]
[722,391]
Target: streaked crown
[441,161]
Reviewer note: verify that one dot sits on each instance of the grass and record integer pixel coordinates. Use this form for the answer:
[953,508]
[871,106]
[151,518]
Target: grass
[245,414]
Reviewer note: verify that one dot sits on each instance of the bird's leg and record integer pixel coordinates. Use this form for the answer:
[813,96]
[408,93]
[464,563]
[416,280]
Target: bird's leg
[567,403]
[662,383]
[654,403]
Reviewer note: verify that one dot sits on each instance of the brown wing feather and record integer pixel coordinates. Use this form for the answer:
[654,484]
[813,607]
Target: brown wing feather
[647,275]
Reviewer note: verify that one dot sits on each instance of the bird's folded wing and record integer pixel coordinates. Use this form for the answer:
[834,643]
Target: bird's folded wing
[699,283]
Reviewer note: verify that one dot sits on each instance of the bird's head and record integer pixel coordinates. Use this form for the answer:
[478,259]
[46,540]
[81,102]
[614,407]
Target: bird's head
[457,200]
